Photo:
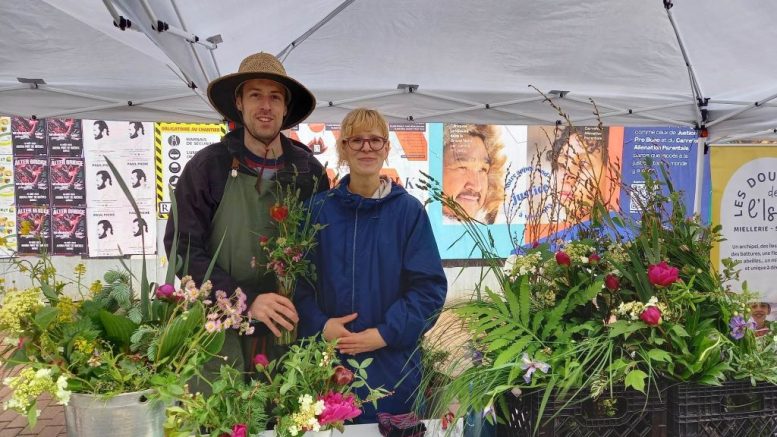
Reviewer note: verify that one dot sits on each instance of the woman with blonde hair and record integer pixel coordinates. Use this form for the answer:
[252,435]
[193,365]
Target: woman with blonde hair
[379,279]
[474,170]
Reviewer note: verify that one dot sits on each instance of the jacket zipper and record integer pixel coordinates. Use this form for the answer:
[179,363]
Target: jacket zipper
[353,264]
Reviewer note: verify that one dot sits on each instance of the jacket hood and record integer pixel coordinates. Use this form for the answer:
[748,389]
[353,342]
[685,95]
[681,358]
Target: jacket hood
[356,201]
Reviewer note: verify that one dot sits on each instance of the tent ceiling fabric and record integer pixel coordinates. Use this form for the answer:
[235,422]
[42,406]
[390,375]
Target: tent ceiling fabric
[623,54]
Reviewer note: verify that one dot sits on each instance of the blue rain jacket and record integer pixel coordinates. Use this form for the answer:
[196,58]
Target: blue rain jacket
[377,258]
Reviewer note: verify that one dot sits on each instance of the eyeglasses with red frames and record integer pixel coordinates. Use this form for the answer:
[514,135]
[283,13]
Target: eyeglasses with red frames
[375,143]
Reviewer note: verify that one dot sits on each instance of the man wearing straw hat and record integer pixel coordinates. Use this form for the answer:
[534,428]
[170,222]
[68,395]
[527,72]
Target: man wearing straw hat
[226,190]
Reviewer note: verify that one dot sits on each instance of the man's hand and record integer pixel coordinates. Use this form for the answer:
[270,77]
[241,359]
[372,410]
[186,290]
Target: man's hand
[272,309]
[335,327]
[365,341]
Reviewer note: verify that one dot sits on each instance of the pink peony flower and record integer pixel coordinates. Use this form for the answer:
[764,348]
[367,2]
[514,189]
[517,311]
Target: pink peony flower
[342,376]
[662,274]
[239,430]
[612,283]
[562,258]
[651,315]
[338,408]
[594,258]
[261,360]
[165,291]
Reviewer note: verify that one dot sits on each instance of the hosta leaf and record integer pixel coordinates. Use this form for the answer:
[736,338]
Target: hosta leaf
[118,328]
[636,379]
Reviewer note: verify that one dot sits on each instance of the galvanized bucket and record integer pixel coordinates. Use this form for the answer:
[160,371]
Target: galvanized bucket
[124,415]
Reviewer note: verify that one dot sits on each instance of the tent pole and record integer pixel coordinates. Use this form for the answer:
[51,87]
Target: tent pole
[694,82]
[14,87]
[637,111]
[283,54]
[743,136]
[323,104]
[697,195]
[741,110]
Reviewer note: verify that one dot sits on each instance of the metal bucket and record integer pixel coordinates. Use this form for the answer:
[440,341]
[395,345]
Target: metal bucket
[124,415]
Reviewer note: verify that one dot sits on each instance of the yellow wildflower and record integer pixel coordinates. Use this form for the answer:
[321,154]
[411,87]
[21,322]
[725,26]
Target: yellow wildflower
[80,269]
[96,287]
[19,308]
[25,227]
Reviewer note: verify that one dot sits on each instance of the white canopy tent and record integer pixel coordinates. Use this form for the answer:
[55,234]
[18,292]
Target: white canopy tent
[415,60]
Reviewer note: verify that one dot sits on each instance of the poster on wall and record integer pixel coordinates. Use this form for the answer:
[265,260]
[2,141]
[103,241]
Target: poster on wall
[671,145]
[129,146]
[6,141]
[31,177]
[408,154]
[65,137]
[744,203]
[29,137]
[33,227]
[7,229]
[7,179]
[68,231]
[471,163]
[175,144]
[68,181]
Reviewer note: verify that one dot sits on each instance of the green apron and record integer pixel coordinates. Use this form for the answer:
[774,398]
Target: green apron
[242,215]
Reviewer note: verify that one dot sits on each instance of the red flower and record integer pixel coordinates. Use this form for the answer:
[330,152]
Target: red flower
[263,239]
[612,283]
[279,212]
[239,430]
[594,258]
[662,274]
[342,376]
[165,291]
[651,315]
[562,258]
[261,360]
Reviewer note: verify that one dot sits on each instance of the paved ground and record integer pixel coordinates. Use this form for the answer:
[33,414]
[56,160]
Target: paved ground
[51,422]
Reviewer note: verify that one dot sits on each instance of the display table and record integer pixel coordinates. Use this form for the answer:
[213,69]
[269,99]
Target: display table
[433,429]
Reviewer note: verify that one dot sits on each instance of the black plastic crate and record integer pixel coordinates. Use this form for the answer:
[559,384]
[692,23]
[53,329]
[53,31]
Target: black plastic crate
[616,413]
[735,409]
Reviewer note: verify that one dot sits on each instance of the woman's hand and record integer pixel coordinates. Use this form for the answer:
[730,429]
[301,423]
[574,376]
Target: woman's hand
[360,342]
[335,327]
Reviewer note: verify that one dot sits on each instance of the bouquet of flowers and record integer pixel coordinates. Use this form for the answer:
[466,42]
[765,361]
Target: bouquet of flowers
[619,303]
[101,339]
[287,251]
[307,389]
[104,341]
[313,391]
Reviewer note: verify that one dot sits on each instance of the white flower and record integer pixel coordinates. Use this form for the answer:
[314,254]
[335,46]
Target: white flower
[293,430]
[319,407]
[62,394]
[43,373]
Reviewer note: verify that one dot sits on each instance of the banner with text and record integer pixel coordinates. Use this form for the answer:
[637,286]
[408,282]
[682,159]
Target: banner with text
[744,203]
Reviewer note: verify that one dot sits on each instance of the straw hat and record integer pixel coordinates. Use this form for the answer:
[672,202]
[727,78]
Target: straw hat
[221,91]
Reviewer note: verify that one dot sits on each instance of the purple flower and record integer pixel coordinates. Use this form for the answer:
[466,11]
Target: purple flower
[739,327]
[530,366]
[477,357]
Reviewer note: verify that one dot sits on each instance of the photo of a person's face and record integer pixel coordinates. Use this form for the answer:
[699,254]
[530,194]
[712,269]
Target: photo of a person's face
[104,227]
[759,311]
[465,174]
[580,170]
[103,180]
[137,177]
[139,227]
[571,169]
